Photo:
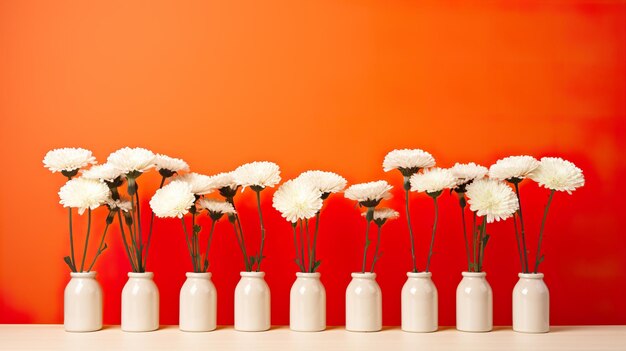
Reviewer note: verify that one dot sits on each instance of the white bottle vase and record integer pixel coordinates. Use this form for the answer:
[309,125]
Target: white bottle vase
[198,303]
[364,308]
[82,305]
[252,303]
[474,303]
[419,303]
[531,304]
[140,303]
[307,303]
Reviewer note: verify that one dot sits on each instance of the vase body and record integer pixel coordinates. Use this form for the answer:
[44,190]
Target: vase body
[531,304]
[419,303]
[198,303]
[252,302]
[307,303]
[364,309]
[140,303]
[474,303]
[82,303]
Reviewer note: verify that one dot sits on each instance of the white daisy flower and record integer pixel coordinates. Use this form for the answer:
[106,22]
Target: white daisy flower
[518,167]
[432,180]
[224,180]
[83,194]
[104,172]
[558,174]
[297,199]
[492,198]
[173,200]
[326,182]
[216,206]
[408,161]
[67,159]
[128,160]
[122,205]
[467,172]
[171,164]
[369,194]
[383,214]
[257,174]
[200,184]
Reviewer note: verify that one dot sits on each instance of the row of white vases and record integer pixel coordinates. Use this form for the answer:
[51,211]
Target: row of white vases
[198,303]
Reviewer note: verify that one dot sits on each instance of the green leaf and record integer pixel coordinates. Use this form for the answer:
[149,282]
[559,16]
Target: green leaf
[486,240]
[196,229]
[68,261]
[367,242]
[104,248]
[206,265]
[252,260]
[541,258]
[316,264]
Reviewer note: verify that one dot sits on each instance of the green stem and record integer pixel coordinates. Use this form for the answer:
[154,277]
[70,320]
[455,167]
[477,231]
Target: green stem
[375,259]
[308,242]
[408,219]
[519,246]
[193,259]
[100,250]
[483,230]
[130,257]
[246,259]
[432,239]
[543,223]
[82,263]
[260,258]
[140,246]
[313,256]
[521,221]
[145,259]
[475,243]
[302,245]
[208,246]
[194,241]
[368,216]
[295,245]
[467,251]
[72,241]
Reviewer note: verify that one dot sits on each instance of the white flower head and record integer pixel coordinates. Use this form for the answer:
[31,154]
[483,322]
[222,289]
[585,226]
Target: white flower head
[122,205]
[167,166]
[513,167]
[369,194]
[492,198]
[130,160]
[200,184]
[67,159]
[297,199]
[173,200]
[325,182]
[408,161]
[257,174]
[216,208]
[381,215]
[558,174]
[433,181]
[83,194]
[104,172]
[224,180]
[467,172]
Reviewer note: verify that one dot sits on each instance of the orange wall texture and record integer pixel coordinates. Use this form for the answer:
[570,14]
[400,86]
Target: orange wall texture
[330,85]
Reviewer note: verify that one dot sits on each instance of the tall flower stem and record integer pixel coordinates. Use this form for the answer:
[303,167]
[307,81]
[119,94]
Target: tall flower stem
[243,250]
[519,246]
[375,259]
[521,221]
[368,217]
[260,258]
[145,259]
[408,220]
[467,251]
[308,243]
[295,245]
[193,259]
[72,241]
[82,263]
[208,246]
[100,247]
[432,239]
[140,244]
[475,243]
[302,245]
[130,257]
[246,259]
[543,223]
[483,229]
[313,258]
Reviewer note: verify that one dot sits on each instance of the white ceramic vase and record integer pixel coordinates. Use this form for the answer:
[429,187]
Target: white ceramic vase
[419,303]
[82,304]
[474,303]
[364,308]
[307,303]
[198,303]
[140,303]
[252,302]
[531,304]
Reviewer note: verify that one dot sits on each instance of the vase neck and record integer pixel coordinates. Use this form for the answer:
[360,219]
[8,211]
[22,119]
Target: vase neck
[252,274]
[315,275]
[194,275]
[359,275]
[530,275]
[83,275]
[144,275]
[474,274]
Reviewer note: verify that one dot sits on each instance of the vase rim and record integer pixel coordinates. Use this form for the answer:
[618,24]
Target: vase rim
[530,275]
[205,275]
[91,274]
[146,275]
[474,274]
[366,275]
[252,274]
[308,274]
[419,274]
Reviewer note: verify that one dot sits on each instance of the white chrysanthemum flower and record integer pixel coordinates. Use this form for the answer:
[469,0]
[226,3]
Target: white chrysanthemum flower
[128,160]
[467,172]
[67,159]
[122,205]
[257,174]
[170,163]
[369,194]
[558,174]
[513,167]
[409,160]
[216,206]
[432,180]
[200,184]
[326,182]
[383,213]
[223,180]
[83,194]
[104,172]
[173,200]
[297,199]
[492,198]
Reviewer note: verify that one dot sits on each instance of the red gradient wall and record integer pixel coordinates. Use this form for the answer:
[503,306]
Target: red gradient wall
[330,85]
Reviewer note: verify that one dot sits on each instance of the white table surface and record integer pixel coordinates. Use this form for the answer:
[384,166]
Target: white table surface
[32,337]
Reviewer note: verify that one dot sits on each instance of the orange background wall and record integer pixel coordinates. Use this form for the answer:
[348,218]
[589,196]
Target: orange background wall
[332,85]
